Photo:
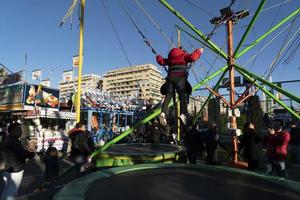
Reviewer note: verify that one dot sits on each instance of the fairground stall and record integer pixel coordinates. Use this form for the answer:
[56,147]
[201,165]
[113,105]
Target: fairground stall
[104,116]
[37,108]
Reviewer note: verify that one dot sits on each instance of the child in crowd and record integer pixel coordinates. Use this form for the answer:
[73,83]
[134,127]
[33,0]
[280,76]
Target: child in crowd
[51,164]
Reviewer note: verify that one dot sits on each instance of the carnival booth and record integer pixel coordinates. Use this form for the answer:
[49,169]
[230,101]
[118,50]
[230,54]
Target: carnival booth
[37,107]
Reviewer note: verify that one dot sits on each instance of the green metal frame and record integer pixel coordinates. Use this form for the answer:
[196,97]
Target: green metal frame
[267,33]
[261,5]
[247,75]
[210,95]
[216,49]
[156,113]
[237,54]
[274,86]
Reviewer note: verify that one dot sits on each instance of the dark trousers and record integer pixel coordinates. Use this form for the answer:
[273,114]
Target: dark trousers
[178,84]
[210,154]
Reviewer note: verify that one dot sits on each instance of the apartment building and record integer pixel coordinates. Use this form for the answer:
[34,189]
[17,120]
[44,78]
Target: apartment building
[136,82]
[88,82]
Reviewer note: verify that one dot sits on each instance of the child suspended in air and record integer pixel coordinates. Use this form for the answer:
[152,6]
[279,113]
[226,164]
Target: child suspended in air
[176,79]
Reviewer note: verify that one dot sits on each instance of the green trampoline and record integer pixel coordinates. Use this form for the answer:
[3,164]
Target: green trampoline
[139,153]
[178,181]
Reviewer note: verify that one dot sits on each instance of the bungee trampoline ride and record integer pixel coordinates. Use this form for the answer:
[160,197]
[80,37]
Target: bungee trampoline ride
[146,172]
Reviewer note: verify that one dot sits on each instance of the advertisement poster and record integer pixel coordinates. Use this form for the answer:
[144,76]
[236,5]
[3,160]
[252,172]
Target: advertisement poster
[67,75]
[10,95]
[7,79]
[36,74]
[58,142]
[38,95]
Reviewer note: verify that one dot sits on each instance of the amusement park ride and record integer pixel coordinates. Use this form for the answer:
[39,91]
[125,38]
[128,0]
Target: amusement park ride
[229,18]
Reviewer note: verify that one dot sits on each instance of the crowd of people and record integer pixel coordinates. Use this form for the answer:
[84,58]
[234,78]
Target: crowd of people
[201,144]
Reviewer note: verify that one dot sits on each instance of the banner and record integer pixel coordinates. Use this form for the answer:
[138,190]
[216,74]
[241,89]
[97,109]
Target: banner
[11,94]
[67,75]
[37,95]
[45,83]
[75,61]
[11,78]
[36,74]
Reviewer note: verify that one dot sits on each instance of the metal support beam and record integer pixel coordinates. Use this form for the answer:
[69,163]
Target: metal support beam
[274,86]
[156,113]
[267,33]
[81,30]
[210,95]
[262,3]
[248,76]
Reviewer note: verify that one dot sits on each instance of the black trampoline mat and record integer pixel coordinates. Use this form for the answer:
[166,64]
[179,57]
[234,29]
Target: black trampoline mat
[141,149]
[187,184]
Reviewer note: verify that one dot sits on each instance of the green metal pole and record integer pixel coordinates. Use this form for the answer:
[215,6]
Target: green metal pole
[201,42]
[267,33]
[209,96]
[197,31]
[156,113]
[262,3]
[274,86]
[248,76]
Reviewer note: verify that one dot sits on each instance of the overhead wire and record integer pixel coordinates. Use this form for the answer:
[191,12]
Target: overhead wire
[199,8]
[69,14]
[275,64]
[154,23]
[122,46]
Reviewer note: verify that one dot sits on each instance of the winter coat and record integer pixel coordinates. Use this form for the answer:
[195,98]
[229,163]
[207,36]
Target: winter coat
[281,141]
[250,143]
[80,144]
[14,154]
[177,61]
[277,145]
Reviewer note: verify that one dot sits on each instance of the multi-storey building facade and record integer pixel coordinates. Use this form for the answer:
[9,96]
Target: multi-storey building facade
[141,82]
[88,82]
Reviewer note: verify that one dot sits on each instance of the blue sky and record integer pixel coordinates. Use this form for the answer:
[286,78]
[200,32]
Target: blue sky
[32,27]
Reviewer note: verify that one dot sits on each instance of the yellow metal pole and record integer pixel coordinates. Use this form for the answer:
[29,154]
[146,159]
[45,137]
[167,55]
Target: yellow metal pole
[82,5]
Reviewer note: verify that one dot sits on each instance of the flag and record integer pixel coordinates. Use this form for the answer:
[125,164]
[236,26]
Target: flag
[45,83]
[36,74]
[75,61]
[67,75]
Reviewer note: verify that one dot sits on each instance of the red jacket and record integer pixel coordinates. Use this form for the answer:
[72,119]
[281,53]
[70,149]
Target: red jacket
[178,57]
[281,141]
[277,145]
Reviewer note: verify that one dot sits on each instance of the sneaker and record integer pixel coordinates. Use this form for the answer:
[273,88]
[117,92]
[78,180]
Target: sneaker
[162,119]
[184,119]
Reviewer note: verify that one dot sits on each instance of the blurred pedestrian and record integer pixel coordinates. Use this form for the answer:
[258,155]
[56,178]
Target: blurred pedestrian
[249,142]
[277,144]
[14,157]
[295,142]
[212,141]
[51,164]
[81,147]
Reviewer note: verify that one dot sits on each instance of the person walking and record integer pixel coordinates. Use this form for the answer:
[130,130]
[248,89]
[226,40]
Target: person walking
[14,157]
[250,141]
[212,141]
[81,147]
[295,142]
[281,141]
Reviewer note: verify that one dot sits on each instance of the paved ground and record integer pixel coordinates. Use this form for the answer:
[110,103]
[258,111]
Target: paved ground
[34,178]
